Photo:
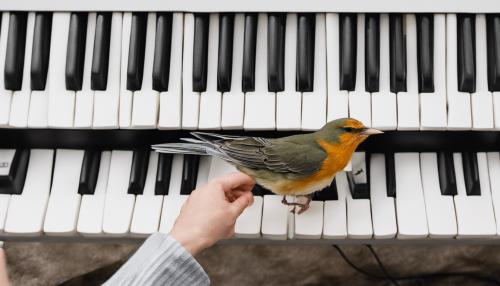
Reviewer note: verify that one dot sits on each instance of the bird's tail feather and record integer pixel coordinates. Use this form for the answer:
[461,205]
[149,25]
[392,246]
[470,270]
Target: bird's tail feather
[202,144]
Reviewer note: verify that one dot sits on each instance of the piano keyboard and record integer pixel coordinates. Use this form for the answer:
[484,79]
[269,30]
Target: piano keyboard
[131,193]
[252,71]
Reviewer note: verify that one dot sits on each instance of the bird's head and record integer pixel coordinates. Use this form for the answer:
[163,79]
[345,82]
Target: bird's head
[346,131]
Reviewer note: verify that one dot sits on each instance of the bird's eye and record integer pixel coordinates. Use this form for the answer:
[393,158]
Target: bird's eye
[348,129]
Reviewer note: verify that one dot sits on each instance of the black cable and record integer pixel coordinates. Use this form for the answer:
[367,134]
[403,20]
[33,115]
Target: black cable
[360,270]
[382,267]
[394,280]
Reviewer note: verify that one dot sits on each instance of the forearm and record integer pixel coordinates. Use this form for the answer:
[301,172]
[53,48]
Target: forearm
[161,260]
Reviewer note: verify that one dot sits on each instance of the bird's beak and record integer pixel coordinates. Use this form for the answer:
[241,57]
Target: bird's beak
[371,131]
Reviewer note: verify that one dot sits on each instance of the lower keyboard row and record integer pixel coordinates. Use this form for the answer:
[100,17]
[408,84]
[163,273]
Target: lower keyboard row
[127,193]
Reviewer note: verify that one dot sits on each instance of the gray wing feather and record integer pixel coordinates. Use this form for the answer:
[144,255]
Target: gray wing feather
[250,152]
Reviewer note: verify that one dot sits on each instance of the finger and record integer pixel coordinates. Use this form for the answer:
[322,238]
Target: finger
[236,180]
[237,193]
[241,203]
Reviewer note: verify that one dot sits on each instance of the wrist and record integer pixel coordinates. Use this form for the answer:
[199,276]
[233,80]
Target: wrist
[193,243]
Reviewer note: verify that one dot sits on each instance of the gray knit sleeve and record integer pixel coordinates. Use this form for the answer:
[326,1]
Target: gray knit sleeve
[161,260]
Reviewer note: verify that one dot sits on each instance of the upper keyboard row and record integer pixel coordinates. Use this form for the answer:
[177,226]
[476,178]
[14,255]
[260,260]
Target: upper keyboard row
[252,71]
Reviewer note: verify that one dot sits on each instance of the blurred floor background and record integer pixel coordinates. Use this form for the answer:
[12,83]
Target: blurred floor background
[54,263]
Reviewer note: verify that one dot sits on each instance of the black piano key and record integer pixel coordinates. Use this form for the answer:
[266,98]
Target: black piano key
[348,50]
[13,183]
[425,52]
[329,193]
[306,24]
[397,53]
[276,25]
[390,175]
[225,57]
[14,58]
[189,173]
[493,43]
[75,55]
[258,190]
[40,52]
[200,51]
[100,57]
[163,174]
[446,170]
[136,50]
[138,172]
[163,44]
[249,46]
[471,174]
[466,52]
[89,172]
[372,52]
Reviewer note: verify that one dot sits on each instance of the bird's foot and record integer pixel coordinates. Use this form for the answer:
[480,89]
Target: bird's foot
[302,206]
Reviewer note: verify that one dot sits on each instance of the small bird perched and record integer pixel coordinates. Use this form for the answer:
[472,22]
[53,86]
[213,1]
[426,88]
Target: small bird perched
[295,165]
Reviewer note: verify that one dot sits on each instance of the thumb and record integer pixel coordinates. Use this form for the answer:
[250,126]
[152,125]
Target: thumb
[241,203]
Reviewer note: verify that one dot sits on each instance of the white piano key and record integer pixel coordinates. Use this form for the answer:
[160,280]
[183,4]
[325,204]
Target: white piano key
[314,103]
[359,99]
[119,205]
[481,100]
[6,157]
[171,100]
[173,202]
[147,210]
[233,102]
[433,105]
[4,206]
[211,99]
[309,224]
[84,105]
[335,215]
[248,224]
[359,219]
[260,105]
[289,101]
[21,98]
[459,106]
[219,167]
[5,95]
[410,205]
[190,98]
[125,105]
[106,102]
[384,115]
[61,102]
[27,211]
[408,102]
[470,208]
[92,206]
[203,170]
[440,209]
[494,170]
[145,103]
[338,101]
[64,201]
[38,112]
[274,217]
[383,208]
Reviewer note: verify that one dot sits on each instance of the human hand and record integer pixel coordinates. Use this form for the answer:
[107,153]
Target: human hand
[4,277]
[210,212]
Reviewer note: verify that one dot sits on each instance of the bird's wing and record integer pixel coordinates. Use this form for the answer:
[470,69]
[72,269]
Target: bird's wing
[276,155]
[297,154]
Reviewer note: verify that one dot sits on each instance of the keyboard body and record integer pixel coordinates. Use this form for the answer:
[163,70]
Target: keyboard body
[86,88]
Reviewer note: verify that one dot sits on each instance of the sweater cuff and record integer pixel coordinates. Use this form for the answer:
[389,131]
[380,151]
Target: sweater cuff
[161,260]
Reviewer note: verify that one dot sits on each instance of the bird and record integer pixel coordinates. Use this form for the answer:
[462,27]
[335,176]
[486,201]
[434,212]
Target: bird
[296,165]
